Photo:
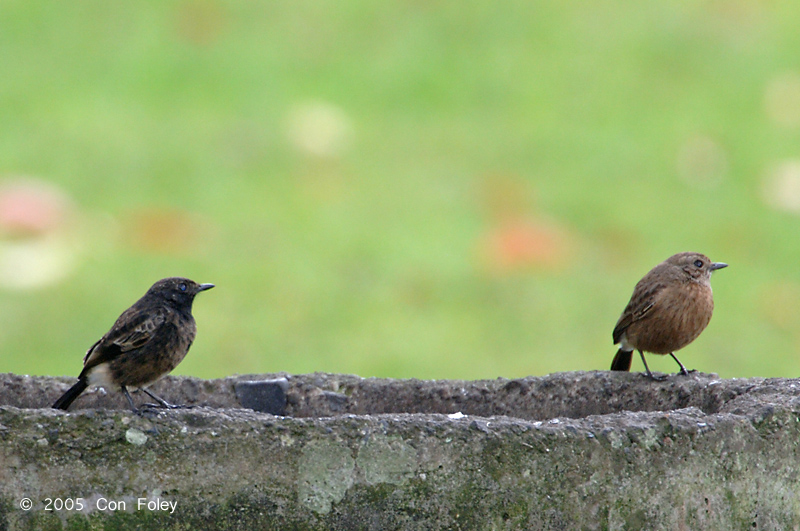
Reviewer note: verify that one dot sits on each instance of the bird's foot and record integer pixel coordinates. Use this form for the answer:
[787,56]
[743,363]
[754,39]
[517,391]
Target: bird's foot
[165,405]
[686,372]
[161,402]
[683,370]
[655,378]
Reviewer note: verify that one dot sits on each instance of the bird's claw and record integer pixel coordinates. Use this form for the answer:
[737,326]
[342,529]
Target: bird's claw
[166,405]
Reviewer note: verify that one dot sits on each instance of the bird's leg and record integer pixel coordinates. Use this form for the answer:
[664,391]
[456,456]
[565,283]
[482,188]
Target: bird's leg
[683,369]
[161,402]
[650,374]
[130,400]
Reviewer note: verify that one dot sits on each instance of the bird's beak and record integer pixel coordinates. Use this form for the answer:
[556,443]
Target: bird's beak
[717,265]
[204,287]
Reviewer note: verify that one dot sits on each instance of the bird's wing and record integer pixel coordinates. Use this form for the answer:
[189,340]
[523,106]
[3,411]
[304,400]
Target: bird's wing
[644,297]
[134,329]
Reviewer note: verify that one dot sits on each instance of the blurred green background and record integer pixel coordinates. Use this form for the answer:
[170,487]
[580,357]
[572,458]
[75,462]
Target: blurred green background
[438,189]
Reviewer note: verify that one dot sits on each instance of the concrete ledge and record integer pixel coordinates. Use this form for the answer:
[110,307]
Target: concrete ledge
[593,450]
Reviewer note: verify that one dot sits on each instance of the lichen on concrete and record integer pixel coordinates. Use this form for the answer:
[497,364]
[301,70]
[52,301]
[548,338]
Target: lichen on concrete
[389,460]
[326,471]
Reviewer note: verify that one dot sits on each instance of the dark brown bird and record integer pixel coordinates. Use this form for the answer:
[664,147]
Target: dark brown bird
[148,341]
[669,308]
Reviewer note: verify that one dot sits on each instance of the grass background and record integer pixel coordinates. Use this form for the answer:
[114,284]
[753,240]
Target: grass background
[414,189]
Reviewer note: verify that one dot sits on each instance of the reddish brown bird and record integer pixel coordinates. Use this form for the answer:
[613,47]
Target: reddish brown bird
[669,308]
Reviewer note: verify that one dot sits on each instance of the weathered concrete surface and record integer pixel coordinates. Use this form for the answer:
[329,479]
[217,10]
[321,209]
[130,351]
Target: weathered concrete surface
[586,450]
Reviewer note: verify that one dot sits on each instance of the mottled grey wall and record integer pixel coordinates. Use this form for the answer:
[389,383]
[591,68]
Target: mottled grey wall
[592,450]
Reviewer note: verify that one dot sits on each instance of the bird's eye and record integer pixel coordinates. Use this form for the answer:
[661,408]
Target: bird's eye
[698,263]
[182,286]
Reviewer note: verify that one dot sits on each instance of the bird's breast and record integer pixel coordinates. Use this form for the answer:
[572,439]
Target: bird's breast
[166,349]
[681,312]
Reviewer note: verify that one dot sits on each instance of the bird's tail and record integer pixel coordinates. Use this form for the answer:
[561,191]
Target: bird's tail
[622,361]
[71,394]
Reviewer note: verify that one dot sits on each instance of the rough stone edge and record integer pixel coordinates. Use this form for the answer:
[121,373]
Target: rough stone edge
[658,469]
